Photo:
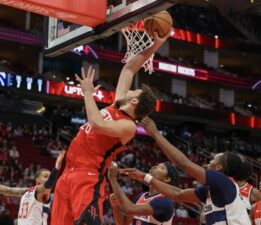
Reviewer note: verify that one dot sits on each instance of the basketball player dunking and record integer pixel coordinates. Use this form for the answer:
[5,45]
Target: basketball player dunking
[35,201]
[80,191]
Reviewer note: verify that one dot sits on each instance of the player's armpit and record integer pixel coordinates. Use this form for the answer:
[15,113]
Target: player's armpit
[12,191]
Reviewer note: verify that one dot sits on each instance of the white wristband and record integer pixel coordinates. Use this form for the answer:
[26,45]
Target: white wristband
[148,178]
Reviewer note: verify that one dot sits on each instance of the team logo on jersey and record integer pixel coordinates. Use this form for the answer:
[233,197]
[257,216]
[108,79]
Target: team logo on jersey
[106,116]
[93,212]
[208,208]
[28,196]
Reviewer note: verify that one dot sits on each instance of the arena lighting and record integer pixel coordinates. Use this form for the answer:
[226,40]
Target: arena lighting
[86,50]
[252,122]
[176,69]
[34,85]
[232,118]
[41,110]
[256,85]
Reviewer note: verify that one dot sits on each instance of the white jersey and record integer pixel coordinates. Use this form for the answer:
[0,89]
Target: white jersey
[31,211]
[223,202]
[233,217]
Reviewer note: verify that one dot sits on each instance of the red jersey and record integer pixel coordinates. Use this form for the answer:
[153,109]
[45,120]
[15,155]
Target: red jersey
[245,192]
[92,150]
[257,213]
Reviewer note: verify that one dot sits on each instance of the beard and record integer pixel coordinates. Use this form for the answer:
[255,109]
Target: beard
[120,102]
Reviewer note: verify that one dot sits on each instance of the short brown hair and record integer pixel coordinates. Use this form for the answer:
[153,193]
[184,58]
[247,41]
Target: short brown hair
[39,172]
[147,102]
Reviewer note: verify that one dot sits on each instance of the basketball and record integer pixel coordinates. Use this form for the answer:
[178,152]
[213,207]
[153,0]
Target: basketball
[160,23]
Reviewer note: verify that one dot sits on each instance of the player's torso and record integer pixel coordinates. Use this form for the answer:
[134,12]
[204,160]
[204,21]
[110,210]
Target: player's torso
[148,220]
[257,213]
[32,212]
[245,192]
[89,149]
[233,213]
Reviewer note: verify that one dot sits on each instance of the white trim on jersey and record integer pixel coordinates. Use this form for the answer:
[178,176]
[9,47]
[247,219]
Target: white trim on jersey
[234,213]
[150,218]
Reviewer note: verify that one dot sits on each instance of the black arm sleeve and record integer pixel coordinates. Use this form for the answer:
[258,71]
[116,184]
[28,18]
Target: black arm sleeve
[52,178]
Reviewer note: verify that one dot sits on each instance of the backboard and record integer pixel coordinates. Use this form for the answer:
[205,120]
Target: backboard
[63,36]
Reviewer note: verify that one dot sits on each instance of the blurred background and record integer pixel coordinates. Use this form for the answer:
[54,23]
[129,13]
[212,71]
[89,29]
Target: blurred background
[208,82]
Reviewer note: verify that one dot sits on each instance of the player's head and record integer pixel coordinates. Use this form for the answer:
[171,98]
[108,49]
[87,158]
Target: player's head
[227,162]
[142,100]
[165,172]
[245,170]
[41,176]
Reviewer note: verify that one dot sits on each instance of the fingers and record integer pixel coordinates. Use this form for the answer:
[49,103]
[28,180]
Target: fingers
[92,72]
[97,87]
[83,73]
[145,121]
[127,171]
[78,78]
[155,35]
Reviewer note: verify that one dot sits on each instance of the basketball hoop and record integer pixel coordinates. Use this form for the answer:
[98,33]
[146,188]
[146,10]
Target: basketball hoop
[137,41]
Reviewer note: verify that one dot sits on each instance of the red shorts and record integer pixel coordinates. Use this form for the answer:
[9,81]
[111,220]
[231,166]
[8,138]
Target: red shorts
[78,198]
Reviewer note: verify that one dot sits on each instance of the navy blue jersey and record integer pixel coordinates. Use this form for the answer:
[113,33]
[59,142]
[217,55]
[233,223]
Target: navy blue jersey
[163,210]
[223,203]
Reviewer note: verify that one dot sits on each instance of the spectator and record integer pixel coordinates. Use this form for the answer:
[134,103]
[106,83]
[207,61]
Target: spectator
[108,218]
[181,211]
[13,153]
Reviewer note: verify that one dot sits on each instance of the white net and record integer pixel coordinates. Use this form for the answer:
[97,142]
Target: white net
[137,41]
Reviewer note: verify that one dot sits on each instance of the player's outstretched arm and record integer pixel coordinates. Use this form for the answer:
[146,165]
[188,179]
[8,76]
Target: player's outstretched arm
[174,154]
[133,66]
[12,191]
[175,193]
[127,206]
[122,128]
[44,190]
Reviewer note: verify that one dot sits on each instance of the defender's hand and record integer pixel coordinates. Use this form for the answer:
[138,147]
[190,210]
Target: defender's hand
[149,125]
[113,171]
[133,173]
[59,160]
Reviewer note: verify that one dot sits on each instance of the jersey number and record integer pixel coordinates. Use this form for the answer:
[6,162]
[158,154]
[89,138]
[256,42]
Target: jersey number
[24,210]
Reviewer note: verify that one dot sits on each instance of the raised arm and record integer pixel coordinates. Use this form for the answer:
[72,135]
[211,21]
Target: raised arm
[174,154]
[133,66]
[44,190]
[127,206]
[12,191]
[123,129]
[175,193]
